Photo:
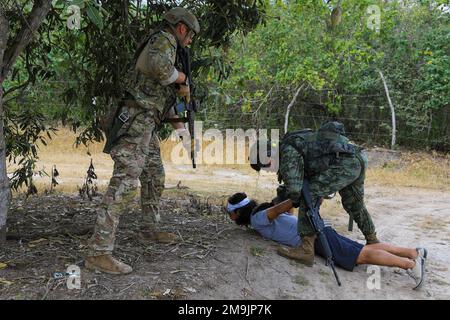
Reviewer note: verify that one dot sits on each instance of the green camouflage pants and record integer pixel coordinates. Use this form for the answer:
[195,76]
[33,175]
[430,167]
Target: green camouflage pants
[136,157]
[346,177]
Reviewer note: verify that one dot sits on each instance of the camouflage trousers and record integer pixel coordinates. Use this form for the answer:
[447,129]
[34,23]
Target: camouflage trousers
[136,156]
[346,177]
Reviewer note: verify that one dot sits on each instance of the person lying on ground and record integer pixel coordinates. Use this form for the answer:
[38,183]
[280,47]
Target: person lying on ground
[275,222]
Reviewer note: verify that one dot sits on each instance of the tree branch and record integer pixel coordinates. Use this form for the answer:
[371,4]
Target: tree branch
[25,35]
[391,105]
[286,120]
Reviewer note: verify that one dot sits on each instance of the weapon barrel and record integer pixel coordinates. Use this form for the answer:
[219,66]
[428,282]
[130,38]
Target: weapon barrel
[318,226]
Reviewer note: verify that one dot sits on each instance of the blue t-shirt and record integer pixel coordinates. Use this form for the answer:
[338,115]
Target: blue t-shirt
[283,229]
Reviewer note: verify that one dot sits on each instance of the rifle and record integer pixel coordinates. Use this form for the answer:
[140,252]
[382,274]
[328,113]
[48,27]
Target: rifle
[190,104]
[318,225]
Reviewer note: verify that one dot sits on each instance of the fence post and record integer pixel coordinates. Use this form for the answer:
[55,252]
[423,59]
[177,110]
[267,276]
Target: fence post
[394,127]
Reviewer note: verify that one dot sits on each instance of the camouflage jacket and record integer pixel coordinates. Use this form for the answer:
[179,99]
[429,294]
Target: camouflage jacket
[152,81]
[309,153]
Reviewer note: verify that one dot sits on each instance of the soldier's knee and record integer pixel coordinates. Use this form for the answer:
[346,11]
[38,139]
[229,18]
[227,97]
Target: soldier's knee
[355,207]
[352,203]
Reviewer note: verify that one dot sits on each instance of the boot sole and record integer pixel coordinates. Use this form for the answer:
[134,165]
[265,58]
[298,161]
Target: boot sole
[93,267]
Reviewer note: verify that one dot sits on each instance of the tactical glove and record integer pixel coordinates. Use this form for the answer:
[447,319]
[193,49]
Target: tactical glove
[295,197]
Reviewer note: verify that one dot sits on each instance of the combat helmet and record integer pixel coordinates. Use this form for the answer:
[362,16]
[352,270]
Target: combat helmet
[179,14]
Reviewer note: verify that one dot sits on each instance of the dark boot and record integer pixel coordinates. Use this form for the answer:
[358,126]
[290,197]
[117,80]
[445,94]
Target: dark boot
[304,253]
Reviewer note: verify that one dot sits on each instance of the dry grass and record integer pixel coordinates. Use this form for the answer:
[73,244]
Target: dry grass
[71,162]
[422,170]
[435,224]
[413,169]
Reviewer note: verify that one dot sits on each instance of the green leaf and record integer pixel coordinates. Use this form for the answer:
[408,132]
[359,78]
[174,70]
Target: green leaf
[79,3]
[95,16]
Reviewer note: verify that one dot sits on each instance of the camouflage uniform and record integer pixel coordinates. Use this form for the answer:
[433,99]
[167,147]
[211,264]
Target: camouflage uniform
[344,174]
[136,153]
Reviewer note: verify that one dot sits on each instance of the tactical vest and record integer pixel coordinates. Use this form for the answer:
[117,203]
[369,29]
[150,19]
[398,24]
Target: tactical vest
[140,61]
[119,112]
[320,149]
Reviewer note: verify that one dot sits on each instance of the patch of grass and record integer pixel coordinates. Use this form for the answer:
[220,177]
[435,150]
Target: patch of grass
[414,169]
[324,273]
[301,280]
[256,251]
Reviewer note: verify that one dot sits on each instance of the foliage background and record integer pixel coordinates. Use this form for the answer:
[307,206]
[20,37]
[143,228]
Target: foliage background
[339,68]
[248,62]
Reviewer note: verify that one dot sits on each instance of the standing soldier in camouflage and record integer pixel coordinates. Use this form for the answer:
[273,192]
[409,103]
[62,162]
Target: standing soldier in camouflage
[331,165]
[132,140]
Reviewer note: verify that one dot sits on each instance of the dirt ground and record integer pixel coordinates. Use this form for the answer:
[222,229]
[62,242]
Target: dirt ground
[216,259]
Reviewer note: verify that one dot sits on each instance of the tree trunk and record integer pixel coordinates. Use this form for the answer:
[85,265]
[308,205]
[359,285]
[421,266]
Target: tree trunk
[5,193]
[4,181]
[8,56]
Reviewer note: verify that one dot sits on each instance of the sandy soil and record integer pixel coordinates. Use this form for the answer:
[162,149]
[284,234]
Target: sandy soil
[216,259]
[406,217]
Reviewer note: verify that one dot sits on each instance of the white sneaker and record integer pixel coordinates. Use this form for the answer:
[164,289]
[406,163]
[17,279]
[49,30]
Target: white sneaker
[418,272]
[422,252]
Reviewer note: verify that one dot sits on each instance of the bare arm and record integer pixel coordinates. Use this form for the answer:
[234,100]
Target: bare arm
[275,211]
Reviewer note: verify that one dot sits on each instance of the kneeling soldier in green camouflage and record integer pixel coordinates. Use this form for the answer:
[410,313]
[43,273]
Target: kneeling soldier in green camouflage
[132,139]
[331,164]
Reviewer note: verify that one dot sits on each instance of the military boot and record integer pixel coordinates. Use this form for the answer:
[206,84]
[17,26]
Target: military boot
[107,263]
[371,239]
[304,253]
[158,236]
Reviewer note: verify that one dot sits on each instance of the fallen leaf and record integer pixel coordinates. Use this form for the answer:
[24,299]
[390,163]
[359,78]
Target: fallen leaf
[37,241]
[6,282]
[177,271]
[156,294]
[3,265]
[34,243]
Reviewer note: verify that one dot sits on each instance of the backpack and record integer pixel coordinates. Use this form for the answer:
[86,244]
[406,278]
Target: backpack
[112,121]
[320,149]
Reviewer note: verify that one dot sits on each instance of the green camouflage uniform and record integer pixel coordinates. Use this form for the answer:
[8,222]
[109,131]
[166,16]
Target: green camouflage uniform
[345,175]
[136,153]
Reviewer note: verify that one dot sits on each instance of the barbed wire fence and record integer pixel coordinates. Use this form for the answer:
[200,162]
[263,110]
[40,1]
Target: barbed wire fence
[367,118]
